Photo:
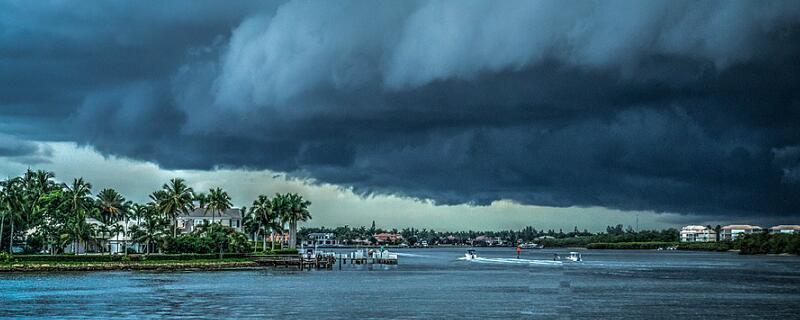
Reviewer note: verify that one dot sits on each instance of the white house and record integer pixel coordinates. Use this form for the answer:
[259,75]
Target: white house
[229,218]
[698,234]
[320,239]
[786,229]
[731,232]
[114,243]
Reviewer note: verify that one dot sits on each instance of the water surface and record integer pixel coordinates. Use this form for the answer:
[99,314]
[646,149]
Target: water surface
[431,284]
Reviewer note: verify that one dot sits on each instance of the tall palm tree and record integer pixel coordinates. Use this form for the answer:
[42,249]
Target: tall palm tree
[173,199]
[251,225]
[150,230]
[137,211]
[78,205]
[5,203]
[218,202]
[13,205]
[35,185]
[112,208]
[293,209]
[266,216]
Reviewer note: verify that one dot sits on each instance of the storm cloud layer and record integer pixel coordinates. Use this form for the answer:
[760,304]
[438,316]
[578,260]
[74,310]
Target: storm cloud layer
[678,106]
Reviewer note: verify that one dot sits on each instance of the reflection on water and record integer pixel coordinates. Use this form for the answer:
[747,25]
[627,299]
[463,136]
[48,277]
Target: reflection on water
[431,284]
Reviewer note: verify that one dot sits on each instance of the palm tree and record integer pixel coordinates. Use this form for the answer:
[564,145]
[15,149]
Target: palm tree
[5,203]
[173,199]
[267,218]
[218,202]
[293,208]
[137,211]
[78,205]
[150,230]
[251,225]
[35,187]
[12,205]
[113,208]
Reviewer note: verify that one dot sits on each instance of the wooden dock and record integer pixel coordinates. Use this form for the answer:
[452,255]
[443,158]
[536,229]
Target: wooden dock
[295,261]
[325,260]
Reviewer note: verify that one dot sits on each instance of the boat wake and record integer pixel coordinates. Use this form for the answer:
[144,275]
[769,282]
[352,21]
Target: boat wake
[513,261]
[400,254]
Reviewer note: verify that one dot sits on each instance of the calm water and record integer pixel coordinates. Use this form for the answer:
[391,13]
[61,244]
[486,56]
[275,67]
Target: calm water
[432,284]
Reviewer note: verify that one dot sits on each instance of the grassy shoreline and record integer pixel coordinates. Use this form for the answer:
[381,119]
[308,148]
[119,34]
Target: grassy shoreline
[204,264]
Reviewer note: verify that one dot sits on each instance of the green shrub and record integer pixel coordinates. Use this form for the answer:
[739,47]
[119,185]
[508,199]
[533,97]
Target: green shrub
[706,246]
[764,243]
[6,258]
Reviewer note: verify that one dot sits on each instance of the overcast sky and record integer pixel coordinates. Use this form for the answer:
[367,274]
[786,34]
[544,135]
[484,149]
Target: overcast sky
[445,114]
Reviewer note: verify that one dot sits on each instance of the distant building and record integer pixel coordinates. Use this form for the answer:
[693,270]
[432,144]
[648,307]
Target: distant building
[785,229]
[229,218]
[698,234]
[384,237]
[731,232]
[487,241]
[320,239]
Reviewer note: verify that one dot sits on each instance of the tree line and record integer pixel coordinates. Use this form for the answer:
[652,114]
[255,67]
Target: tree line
[550,237]
[51,216]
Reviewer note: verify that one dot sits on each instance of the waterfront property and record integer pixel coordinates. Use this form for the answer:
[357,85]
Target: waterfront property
[230,218]
[733,231]
[388,238]
[698,234]
[320,239]
[487,241]
[785,229]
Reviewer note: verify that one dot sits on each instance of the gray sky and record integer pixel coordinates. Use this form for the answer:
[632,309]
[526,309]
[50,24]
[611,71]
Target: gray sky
[678,110]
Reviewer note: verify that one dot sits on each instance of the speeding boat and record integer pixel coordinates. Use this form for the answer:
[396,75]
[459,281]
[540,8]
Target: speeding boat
[470,255]
[575,257]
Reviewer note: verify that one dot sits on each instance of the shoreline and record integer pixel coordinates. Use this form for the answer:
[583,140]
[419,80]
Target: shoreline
[128,266]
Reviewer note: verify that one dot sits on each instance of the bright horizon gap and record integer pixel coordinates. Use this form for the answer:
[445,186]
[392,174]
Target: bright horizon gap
[334,206]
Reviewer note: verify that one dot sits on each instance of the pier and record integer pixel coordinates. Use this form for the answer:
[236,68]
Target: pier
[327,260]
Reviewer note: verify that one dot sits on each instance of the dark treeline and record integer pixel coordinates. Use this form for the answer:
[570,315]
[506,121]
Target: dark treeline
[550,237]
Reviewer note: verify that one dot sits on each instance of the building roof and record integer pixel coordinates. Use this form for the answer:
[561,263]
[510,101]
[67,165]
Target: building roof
[786,227]
[235,213]
[694,228]
[740,227]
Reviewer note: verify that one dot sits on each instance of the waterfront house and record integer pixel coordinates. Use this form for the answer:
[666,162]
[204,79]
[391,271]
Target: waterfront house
[733,231]
[487,241]
[785,229]
[105,242]
[229,218]
[320,239]
[388,238]
[698,234]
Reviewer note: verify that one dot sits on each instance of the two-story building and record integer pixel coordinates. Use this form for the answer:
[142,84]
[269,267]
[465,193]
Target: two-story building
[320,239]
[784,229]
[229,218]
[733,231]
[698,234]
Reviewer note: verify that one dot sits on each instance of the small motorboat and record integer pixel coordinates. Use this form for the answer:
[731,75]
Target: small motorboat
[470,255]
[575,257]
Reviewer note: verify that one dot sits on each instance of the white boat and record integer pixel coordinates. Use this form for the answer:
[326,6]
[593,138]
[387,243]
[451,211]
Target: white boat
[575,257]
[470,255]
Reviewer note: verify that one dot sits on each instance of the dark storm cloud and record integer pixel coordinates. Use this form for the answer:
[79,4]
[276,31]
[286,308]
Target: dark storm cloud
[13,149]
[688,107]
